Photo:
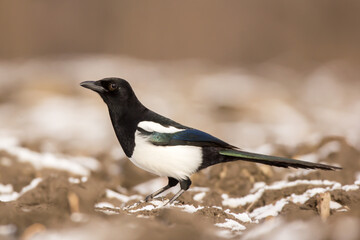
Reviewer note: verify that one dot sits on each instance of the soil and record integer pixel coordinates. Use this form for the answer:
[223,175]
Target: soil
[49,205]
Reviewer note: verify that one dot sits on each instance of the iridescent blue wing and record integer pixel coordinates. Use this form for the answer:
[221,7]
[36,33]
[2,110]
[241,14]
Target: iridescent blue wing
[192,137]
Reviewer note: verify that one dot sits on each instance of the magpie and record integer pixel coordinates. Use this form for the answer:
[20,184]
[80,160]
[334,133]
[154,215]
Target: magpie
[169,149]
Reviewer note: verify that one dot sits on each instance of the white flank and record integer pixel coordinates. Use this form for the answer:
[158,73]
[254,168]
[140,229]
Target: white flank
[156,127]
[167,161]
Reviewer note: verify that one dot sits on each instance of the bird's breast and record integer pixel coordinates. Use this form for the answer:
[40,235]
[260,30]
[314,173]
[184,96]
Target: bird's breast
[172,161]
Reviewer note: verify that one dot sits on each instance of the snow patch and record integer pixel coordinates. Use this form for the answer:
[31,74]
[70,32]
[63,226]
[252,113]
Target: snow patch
[260,188]
[350,187]
[77,180]
[199,196]
[231,224]
[8,196]
[121,197]
[269,210]
[145,208]
[335,205]
[189,208]
[6,189]
[244,217]
[105,205]
[76,165]
[275,208]
[6,230]
[107,211]
[199,189]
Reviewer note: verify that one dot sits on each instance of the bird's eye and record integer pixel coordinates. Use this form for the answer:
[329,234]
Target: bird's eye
[112,87]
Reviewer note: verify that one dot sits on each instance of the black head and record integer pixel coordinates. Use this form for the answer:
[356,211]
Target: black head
[116,93]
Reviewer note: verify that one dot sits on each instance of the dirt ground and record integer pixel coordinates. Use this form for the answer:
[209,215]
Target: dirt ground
[53,188]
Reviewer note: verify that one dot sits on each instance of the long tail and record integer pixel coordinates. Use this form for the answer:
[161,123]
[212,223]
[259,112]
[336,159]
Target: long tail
[273,161]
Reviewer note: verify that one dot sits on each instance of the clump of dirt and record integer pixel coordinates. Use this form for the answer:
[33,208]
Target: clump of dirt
[234,179]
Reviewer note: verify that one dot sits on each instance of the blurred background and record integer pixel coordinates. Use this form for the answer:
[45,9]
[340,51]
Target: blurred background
[277,77]
[249,71]
[225,32]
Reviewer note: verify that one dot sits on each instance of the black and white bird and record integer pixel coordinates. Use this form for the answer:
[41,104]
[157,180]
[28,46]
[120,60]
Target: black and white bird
[166,148]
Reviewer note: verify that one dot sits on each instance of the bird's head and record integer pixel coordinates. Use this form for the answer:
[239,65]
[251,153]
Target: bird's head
[116,93]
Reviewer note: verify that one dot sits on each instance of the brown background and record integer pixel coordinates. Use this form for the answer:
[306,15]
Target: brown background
[228,32]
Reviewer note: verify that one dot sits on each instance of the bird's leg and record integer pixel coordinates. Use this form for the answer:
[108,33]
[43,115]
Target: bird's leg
[172,182]
[184,184]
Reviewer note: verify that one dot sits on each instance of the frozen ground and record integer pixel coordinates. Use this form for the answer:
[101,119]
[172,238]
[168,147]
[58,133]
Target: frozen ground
[63,174]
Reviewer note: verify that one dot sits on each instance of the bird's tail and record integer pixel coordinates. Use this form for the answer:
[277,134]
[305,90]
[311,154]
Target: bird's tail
[232,155]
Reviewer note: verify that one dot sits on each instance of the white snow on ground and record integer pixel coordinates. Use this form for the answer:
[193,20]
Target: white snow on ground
[77,180]
[231,224]
[107,211]
[76,165]
[74,180]
[121,197]
[6,189]
[145,208]
[269,210]
[7,194]
[105,205]
[253,217]
[189,208]
[107,208]
[244,217]
[275,208]
[7,229]
[350,187]
[199,189]
[199,196]
[259,189]
[335,205]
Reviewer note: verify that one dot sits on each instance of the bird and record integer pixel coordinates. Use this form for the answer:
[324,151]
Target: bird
[167,148]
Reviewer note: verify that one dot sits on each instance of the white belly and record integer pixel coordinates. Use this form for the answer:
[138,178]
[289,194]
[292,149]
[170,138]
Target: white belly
[178,162]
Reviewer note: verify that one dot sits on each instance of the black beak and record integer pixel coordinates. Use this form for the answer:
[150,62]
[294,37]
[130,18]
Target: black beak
[93,85]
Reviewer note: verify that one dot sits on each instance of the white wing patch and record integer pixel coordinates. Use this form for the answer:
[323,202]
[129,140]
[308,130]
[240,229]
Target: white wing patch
[178,162]
[156,127]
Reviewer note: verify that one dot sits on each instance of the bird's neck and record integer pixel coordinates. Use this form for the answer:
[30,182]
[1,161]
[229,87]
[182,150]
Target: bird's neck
[125,124]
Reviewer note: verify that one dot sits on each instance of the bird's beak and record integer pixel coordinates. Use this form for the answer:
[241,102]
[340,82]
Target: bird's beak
[93,85]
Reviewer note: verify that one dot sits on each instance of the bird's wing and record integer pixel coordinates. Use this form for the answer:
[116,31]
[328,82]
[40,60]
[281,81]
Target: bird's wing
[273,161]
[191,137]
